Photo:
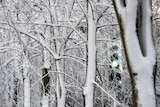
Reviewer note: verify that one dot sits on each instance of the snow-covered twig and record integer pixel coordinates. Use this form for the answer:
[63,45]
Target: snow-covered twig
[50,51]
[71,56]
[59,73]
[100,26]
[107,93]
[81,8]
[74,59]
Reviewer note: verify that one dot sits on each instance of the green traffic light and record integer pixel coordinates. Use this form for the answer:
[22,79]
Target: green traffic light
[115,64]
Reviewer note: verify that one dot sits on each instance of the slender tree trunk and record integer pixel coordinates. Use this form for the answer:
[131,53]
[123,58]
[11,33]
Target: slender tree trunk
[60,88]
[45,87]
[26,92]
[134,17]
[45,100]
[46,68]
[91,68]
[26,83]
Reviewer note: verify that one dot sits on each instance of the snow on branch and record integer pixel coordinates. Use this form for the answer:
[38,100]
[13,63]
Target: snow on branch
[83,38]
[53,25]
[11,59]
[102,4]
[107,93]
[74,59]
[75,25]
[81,8]
[3,49]
[50,51]
[100,26]
[83,59]
[80,84]
[150,53]
[120,5]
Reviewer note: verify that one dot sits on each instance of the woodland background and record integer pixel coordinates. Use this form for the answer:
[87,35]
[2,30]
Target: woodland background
[43,58]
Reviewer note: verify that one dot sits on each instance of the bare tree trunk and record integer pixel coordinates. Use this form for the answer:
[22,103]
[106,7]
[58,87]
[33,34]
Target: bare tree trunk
[91,69]
[134,17]
[46,68]
[26,82]
[60,88]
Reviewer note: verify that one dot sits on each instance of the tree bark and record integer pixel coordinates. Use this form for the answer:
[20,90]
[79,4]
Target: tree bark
[134,18]
[91,67]
[26,82]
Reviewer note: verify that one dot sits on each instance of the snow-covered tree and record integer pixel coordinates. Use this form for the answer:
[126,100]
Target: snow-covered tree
[91,61]
[156,33]
[134,17]
[68,53]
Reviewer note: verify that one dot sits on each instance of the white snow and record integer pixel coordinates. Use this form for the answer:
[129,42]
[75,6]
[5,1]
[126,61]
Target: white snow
[142,65]
[26,92]
[45,100]
[91,69]
[147,31]
[26,82]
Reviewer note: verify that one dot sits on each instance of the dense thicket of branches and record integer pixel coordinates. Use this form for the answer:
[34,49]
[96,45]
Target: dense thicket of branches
[43,54]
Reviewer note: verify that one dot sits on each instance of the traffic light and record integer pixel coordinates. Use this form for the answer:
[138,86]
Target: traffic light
[115,61]
[115,64]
